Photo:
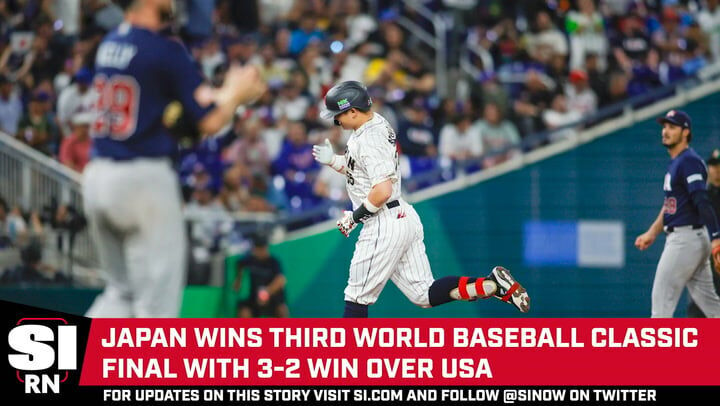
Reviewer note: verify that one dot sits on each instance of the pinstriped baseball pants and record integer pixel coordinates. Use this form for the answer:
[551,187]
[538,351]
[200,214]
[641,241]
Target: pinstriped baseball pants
[390,247]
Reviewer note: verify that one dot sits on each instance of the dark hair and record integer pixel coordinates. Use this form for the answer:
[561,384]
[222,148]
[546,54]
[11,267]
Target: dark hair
[689,137]
[124,4]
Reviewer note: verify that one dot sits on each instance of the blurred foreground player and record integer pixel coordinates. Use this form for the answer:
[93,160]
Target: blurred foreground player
[131,192]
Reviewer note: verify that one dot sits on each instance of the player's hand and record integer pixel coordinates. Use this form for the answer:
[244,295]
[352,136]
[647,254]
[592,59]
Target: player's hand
[263,296]
[346,224]
[716,254]
[643,241]
[242,84]
[324,153]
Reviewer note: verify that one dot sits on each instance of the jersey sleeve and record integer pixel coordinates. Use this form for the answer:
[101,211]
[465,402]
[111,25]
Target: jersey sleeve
[377,155]
[695,175]
[185,78]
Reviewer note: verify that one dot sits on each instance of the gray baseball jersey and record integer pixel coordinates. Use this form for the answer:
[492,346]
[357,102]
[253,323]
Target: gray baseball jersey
[390,245]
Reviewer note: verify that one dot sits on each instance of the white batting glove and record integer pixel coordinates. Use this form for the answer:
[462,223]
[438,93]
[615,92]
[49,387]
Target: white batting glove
[324,153]
[346,224]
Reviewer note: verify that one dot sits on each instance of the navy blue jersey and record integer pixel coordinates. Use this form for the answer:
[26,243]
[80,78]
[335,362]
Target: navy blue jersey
[138,73]
[686,174]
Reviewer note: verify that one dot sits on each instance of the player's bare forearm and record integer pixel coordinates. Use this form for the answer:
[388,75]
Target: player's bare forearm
[657,226]
[277,284]
[242,85]
[380,193]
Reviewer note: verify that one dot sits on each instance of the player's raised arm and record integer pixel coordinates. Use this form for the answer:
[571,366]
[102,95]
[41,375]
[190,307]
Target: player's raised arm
[645,240]
[210,108]
[242,85]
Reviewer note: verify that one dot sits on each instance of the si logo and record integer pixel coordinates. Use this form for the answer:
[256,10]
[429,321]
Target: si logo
[46,349]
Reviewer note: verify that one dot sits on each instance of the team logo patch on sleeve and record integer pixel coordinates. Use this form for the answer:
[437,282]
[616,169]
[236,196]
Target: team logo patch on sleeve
[694,178]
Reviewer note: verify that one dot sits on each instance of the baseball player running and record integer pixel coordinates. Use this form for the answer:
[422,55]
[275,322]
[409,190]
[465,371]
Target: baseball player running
[390,245]
[130,190]
[685,214]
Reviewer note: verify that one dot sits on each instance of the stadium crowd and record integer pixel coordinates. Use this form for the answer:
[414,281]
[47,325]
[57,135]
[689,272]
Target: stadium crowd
[516,68]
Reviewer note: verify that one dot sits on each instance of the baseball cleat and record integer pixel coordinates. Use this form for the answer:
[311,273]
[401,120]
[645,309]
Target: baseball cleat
[509,290]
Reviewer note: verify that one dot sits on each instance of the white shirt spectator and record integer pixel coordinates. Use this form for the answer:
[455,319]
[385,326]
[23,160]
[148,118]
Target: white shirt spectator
[359,25]
[581,99]
[455,144]
[10,112]
[273,137]
[709,20]
[587,35]
[293,108]
[558,116]
[72,101]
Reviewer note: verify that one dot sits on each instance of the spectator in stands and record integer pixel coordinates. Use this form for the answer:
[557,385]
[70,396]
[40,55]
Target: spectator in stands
[267,282]
[291,103]
[17,58]
[249,149]
[709,20]
[415,133]
[460,140]
[586,29]
[380,105]
[545,41]
[359,24]
[668,37]
[74,99]
[598,80]
[558,71]
[297,167]
[235,189]
[10,106]
[264,198]
[580,96]
[501,138]
[491,91]
[617,87]
[632,41]
[644,75]
[33,271]
[417,139]
[273,70]
[316,69]
[36,128]
[75,148]
[535,96]
[306,32]
[559,115]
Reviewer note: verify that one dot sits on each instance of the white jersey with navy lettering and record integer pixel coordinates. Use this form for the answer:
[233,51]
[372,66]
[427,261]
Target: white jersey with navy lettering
[390,245]
[371,158]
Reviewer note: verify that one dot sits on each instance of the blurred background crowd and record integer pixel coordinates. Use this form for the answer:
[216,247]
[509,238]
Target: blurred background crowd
[509,70]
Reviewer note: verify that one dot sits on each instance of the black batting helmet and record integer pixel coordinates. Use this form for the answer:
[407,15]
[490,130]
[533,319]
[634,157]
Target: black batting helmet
[344,96]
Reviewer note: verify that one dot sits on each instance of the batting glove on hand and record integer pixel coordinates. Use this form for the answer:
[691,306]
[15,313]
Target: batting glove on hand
[324,153]
[346,224]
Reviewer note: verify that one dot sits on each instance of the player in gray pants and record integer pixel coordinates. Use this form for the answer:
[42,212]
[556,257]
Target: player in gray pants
[688,218]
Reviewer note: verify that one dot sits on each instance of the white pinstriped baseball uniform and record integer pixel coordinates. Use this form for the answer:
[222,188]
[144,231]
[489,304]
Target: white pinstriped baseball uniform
[390,245]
